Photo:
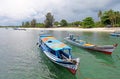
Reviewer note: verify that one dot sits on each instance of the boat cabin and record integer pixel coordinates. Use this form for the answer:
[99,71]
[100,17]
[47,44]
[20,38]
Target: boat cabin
[55,47]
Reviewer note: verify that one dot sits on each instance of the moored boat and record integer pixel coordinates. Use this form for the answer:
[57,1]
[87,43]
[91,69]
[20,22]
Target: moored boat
[19,29]
[58,52]
[117,34]
[107,49]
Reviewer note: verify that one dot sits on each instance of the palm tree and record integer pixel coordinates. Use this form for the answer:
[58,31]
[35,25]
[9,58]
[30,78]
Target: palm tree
[49,20]
[99,15]
[117,15]
[33,23]
[111,16]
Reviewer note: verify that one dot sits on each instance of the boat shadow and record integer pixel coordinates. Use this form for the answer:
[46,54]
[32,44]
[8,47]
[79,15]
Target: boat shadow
[102,56]
[56,71]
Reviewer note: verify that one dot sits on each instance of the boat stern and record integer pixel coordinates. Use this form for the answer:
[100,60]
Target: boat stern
[115,45]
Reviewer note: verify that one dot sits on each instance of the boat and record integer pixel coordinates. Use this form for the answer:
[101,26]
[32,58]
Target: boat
[107,49]
[117,34]
[19,29]
[58,52]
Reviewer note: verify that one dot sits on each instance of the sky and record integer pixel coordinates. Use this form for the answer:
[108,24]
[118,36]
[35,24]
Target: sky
[14,12]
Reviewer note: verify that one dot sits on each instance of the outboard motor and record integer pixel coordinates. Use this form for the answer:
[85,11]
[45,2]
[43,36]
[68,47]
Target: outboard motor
[71,37]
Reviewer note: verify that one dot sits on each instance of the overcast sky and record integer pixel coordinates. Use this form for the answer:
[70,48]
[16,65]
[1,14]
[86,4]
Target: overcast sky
[14,12]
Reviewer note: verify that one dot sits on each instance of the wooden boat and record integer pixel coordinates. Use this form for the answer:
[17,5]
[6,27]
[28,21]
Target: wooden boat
[58,52]
[107,49]
[19,29]
[117,34]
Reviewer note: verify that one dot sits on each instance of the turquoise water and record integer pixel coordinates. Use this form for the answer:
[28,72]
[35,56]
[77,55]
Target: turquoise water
[21,58]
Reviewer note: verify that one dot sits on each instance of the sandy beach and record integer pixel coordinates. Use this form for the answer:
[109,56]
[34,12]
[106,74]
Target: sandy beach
[78,29]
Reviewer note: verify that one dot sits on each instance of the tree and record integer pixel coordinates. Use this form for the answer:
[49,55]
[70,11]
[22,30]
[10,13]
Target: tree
[23,24]
[117,18]
[105,18]
[63,22]
[111,17]
[88,22]
[56,23]
[100,14]
[99,24]
[33,23]
[49,20]
[40,25]
[27,24]
[77,23]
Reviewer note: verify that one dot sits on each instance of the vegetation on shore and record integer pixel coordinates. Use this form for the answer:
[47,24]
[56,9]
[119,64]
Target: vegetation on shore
[108,18]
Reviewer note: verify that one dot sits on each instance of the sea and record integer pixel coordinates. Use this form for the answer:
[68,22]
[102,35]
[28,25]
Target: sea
[21,57]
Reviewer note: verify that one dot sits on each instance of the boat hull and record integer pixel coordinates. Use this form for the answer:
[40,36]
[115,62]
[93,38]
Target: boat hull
[106,51]
[73,71]
[54,59]
[115,34]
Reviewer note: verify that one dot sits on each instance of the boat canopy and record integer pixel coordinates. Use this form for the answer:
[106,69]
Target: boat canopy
[53,43]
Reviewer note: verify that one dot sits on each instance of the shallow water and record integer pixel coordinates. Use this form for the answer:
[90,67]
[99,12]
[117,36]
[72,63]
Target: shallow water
[21,58]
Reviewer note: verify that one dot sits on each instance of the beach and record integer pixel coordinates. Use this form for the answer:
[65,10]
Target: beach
[78,29]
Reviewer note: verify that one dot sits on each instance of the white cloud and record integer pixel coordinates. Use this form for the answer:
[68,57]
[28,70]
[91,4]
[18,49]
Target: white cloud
[13,12]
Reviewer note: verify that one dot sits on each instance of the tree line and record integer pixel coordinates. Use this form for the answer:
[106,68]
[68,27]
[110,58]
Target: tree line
[109,18]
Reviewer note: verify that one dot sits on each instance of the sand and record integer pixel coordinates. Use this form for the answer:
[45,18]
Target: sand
[78,29]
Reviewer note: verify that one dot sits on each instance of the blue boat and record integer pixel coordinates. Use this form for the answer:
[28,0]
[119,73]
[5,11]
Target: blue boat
[58,52]
[117,34]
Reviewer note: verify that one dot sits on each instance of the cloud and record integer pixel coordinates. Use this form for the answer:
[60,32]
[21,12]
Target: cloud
[14,12]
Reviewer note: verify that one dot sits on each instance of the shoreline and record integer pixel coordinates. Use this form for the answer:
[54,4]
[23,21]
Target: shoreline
[78,29]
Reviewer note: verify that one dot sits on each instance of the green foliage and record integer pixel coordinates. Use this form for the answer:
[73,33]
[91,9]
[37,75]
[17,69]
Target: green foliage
[27,24]
[23,24]
[41,25]
[88,22]
[70,25]
[33,23]
[56,23]
[111,17]
[100,14]
[77,23]
[63,22]
[105,19]
[99,24]
[49,20]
